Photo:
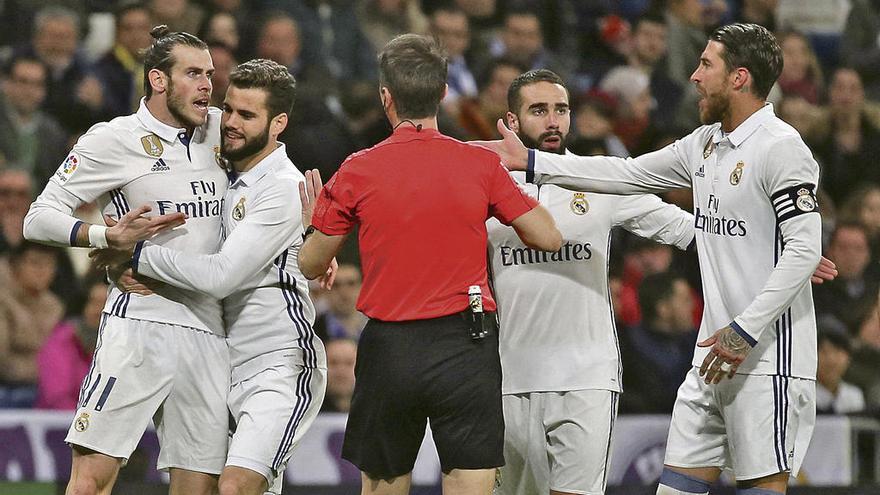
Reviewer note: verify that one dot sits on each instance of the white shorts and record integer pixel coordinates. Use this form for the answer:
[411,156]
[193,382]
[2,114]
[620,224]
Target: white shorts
[755,425]
[178,376]
[272,410]
[557,441]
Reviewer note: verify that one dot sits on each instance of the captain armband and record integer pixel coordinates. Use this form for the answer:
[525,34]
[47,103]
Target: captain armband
[795,200]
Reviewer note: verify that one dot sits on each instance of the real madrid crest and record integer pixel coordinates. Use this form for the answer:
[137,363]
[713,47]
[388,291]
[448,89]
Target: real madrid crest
[81,423]
[579,205]
[736,175]
[805,200]
[152,145]
[707,150]
[238,211]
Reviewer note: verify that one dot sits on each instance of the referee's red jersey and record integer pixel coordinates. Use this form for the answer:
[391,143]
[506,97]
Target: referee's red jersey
[422,200]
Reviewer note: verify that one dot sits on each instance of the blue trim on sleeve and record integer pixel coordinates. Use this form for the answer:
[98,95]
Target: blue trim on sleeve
[530,167]
[742,333]
[683,482]
[136,256]
[74,231]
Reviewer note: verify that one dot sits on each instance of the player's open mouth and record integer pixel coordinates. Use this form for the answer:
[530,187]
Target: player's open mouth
[232,136]
[552,141]
[202,104]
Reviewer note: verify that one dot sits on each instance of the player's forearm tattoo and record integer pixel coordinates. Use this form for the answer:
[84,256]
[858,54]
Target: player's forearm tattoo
[733,342]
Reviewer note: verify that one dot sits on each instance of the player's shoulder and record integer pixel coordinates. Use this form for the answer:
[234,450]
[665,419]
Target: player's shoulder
[778,136]
[105,137]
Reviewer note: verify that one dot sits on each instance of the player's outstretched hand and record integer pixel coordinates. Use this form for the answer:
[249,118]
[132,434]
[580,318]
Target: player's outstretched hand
[134,226]
[308,194]
[728,351]
[514,154]
[825,272]
[327,279]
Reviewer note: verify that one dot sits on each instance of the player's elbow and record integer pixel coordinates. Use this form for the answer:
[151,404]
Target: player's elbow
[29,230]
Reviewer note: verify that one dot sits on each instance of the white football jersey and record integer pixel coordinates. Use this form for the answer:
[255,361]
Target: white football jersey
[557,327]
[137,160]
[266,301]
[758,231]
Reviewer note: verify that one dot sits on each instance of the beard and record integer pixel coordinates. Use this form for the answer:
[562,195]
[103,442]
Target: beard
[538,143]
[177,108]
[716,108]
[251,146]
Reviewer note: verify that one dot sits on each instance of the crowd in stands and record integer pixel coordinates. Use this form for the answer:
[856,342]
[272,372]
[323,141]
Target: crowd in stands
[68,64]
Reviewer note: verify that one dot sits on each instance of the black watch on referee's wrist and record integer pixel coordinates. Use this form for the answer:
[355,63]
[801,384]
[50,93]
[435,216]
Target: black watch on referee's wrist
[309,231]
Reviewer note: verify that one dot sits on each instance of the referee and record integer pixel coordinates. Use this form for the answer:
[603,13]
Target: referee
[422,200]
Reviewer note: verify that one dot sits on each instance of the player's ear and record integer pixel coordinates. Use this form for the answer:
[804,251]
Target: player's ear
[512,122]
[742,79]
[278,124]
[158,80]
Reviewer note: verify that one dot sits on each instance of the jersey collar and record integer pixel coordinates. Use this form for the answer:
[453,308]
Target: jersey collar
[266,165]
[164,131]
[747,128]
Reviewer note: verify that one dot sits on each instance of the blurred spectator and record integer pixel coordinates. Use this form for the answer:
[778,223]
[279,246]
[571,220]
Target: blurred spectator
[342,320]
[221,28]
[121,70]
[72,96]
[451,28]
[833,394]
[859,47]
[648,54]
[341,359]
[521,40]
[864,369]
[224,64]
[382,20]
[178,15]
[631,87]
[16,194]
[855,287]
[806,118]
[28,313]
[686,40]
[30,140]
[642,257]
[65,358]
[331,37]
[594,128]
[759,12]
[801,73]
[862,206]
[478,116]
[279,39]
[849,150]
[656,355]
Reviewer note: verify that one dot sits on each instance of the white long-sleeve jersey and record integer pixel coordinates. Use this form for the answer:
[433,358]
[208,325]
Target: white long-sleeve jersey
[758,231]
[132,161]
[557,327]
[266,301]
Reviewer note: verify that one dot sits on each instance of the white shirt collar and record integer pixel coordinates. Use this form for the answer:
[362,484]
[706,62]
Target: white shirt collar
[747,127]
[267,164]
[164,131]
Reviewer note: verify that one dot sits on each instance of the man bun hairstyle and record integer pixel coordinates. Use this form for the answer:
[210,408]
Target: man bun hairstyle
[413,68]
[158,55]
[270,76]
[754,48]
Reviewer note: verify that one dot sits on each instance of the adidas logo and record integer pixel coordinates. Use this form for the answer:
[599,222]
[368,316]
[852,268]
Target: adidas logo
[160,166]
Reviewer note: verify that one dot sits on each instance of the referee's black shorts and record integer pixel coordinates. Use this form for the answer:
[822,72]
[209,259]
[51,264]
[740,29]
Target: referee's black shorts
[410,372]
